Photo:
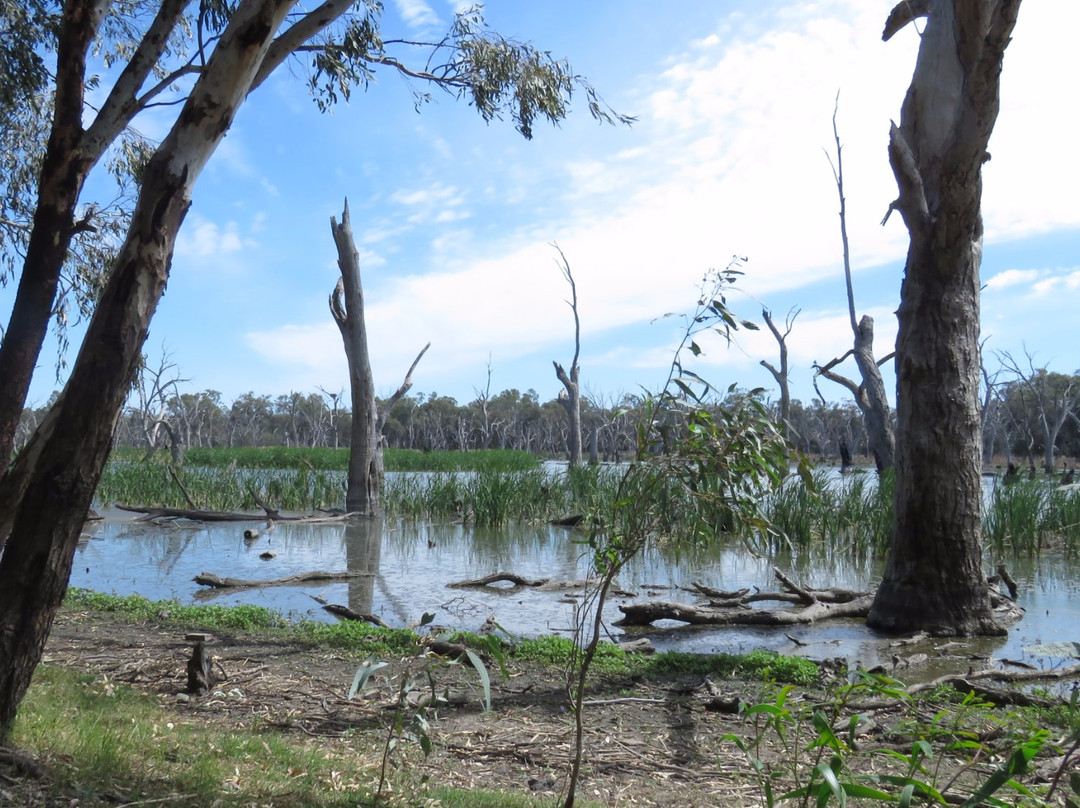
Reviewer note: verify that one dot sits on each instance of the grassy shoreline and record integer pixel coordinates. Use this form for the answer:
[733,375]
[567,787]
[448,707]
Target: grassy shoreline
[103,741]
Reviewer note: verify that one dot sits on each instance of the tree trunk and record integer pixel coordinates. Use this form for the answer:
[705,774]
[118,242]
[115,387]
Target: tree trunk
[368,425]
[62,175]
[70,155]
[933,578]
[571,397]
[365,454]
[36,563]
[877,415]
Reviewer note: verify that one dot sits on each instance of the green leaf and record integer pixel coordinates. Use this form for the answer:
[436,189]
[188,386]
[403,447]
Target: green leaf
[1016,764]
[482,672]
[828,776]
[363,673]
[906,795]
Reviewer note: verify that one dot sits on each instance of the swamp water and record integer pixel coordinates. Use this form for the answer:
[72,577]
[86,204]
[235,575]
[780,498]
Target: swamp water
[410,564]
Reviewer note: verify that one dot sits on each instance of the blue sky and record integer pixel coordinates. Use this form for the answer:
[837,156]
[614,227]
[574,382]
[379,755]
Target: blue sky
[454,218]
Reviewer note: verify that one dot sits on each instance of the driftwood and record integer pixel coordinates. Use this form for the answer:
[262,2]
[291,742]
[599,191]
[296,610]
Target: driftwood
[568,521]
[209,579]
[510,577]
[345,613]
[644,614]
[198,515]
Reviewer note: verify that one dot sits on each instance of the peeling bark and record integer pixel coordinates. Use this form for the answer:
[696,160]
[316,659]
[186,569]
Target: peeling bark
[933,578]
[36,564]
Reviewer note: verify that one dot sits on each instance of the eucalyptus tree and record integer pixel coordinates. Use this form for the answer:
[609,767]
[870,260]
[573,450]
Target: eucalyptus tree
[933,577]
[781,374]
[235,46]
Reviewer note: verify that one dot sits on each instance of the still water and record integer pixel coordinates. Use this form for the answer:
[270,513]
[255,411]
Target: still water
[411,563]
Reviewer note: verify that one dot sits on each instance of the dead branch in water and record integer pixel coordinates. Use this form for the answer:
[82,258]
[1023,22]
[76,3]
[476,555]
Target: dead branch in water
[209,579]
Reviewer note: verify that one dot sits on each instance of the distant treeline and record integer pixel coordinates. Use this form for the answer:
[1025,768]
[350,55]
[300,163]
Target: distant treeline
[1020,417]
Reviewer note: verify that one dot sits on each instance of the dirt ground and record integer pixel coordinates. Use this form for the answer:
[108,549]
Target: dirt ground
[650,743]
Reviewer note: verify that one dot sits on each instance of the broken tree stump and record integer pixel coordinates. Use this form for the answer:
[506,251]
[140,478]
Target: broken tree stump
[200,674]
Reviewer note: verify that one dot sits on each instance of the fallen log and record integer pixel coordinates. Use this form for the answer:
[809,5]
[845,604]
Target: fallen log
[345,613]
[209,579]
[498,577]
[199,515]
[644,614]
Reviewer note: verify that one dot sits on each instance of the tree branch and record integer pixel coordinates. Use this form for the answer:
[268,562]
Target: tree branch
[406,385]
[122,105]
[300,32]
[905,11]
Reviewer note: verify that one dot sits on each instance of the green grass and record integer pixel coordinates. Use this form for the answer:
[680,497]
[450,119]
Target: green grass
[107,744]
[852,513]
[326,459]
[171,612]
[610,659]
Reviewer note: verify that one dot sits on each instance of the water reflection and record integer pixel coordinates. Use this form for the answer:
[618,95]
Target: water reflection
[411,563]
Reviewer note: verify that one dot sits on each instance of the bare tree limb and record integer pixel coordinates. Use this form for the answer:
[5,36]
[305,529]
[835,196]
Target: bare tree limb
[406,385]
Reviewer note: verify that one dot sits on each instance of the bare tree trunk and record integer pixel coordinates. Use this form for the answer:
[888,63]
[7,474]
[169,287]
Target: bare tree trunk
[870,396]
[933,578]
[347,307]
[36,563]
[781,374]
[365,457]
[570,398]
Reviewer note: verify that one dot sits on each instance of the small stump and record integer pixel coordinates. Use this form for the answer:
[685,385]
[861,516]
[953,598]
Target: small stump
[200,675]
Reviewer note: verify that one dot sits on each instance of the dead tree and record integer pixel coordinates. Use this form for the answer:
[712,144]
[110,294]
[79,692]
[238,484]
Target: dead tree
[781,374]
[933,578]
[368,425]
[1051,398]
[570,397]
[870,396]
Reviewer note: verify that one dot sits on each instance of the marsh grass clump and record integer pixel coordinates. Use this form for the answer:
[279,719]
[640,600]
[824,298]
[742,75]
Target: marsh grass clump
[213,488]
[852,513]
[1030,516]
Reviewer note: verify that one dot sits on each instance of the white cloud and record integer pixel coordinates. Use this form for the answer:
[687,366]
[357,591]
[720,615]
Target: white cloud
[1012,277]
[417,13]
[201,239]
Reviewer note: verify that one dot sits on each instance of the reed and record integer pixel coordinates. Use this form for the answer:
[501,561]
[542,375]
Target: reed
[1014,517]
[852,513]
[153,484]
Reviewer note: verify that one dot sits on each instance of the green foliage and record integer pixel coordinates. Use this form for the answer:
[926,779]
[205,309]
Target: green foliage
[321,458]
[765,665]
[817,753]
[213,618]
[853,513]
[416,696]
[1030,516]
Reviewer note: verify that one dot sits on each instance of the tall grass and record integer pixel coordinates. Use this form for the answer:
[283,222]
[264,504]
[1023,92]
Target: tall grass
[851,513]
[1029,516]
[326,459]
[153,484]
